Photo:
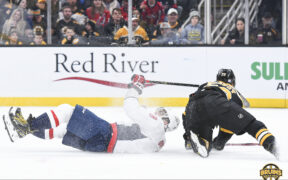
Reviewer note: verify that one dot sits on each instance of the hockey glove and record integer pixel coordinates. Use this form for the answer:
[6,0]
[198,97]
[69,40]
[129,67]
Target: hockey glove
[138,83]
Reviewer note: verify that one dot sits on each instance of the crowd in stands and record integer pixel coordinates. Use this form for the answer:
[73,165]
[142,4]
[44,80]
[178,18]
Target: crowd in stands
[104,22]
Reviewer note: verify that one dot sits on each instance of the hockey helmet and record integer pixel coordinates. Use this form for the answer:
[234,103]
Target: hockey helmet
[170,121]
[227,76]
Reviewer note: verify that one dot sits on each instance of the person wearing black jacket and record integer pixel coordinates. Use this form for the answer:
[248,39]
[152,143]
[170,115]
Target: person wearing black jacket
[220,104]
[236,36]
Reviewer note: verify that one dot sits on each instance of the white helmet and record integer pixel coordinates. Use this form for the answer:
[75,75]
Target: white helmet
[170,121]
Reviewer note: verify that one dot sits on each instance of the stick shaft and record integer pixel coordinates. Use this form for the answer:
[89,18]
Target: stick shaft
[242,144]
[172,83]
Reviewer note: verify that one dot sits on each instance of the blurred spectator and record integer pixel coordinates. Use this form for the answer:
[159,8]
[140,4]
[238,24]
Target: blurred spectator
[22,4]
[41,4]
[115,23]
[167,36]
[28,36]
[111,4]
[91,32]
[67,21]
[139,34]
[124,9]
[167,4]
[13,38]
[193,33]
[38,40]
[6,9]
[236,36]
[55,12]
[77,13]
[98,13]
[16,21]
[75,7]
[172,21]
[39,24]
[70,37]
[152,12]
[266,34]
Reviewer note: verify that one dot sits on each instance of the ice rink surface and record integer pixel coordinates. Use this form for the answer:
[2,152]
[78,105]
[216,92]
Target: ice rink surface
[32,158]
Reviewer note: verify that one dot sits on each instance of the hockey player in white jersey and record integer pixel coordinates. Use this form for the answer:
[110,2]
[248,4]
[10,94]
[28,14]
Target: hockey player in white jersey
[80,128]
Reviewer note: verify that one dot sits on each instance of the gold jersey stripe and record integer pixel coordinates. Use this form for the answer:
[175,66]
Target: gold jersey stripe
[259,132]
[226,131]
[264,138]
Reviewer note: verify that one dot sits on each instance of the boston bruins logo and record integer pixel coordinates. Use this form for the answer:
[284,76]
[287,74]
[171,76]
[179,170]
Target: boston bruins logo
[271,172]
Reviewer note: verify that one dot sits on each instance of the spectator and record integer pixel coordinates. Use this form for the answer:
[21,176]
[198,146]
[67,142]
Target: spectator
[140,35]
[39,24]
[38,40]
[167,4]
[115,23]
[111,4]
[167,36]
[266,34]
[172,21]
[236,36]
[13,38]
[16,21]
[22,4]
[41,4]
[70,37]
[6,9]
[77,13]
[28,36]
[91,32]
[152,12]
[98,13]
[193,33]
[67,21]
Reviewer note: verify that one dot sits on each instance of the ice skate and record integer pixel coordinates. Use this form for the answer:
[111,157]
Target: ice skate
[21,125]
[199,145]
[11,131]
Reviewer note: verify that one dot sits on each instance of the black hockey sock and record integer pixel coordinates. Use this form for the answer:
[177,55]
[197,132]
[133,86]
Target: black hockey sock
[259,131]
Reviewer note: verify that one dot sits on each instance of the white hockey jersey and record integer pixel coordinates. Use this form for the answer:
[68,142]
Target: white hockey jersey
[150,125]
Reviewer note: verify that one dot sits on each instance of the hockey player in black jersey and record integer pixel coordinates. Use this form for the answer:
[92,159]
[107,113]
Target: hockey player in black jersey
[220,104]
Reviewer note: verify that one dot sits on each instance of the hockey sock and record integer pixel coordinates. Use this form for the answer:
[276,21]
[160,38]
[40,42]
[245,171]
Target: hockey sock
[259,131]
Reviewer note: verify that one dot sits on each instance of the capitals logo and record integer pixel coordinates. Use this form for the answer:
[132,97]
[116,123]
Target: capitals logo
[271,172]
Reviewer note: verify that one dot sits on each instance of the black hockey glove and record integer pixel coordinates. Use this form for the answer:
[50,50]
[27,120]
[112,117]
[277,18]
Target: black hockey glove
[138,83]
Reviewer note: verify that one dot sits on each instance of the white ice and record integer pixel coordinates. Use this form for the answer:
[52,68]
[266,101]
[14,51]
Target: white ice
[32,158]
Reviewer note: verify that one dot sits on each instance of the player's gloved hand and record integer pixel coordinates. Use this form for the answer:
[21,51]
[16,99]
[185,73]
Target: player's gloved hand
[187,139]
[138,83]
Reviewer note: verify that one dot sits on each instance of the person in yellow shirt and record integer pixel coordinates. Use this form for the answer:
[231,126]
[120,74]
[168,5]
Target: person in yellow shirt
[38,40]
[13,39]
[140,35]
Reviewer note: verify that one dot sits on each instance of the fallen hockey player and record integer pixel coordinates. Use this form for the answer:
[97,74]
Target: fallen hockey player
[80,128]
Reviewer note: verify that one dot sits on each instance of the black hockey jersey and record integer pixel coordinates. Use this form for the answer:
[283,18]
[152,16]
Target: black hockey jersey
[227,90]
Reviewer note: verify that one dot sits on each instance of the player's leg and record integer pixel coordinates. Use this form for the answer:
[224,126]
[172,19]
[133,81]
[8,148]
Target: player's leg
[259,131]
[42,124]
[239,121]
[223,137]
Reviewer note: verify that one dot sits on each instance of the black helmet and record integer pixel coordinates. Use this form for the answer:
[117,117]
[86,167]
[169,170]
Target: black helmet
[227,76]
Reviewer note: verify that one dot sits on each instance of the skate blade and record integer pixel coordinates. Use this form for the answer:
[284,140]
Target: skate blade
[13,135]
[197,147]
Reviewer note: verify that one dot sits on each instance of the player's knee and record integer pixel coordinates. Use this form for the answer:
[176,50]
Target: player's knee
[64,112]
[254,127]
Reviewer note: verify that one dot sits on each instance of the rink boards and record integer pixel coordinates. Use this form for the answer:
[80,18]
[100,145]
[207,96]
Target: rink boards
[98,76]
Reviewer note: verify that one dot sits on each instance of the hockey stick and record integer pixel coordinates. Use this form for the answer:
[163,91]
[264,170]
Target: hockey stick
[242,144]
[171,83]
